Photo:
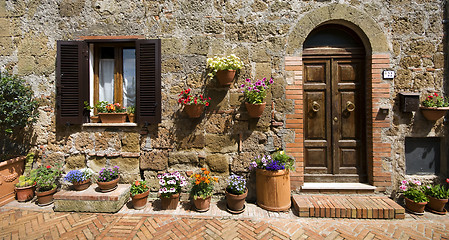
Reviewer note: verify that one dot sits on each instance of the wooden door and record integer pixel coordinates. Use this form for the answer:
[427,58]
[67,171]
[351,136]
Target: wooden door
[334,119]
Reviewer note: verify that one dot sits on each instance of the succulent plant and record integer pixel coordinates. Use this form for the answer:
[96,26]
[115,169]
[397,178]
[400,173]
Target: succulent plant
[27,180]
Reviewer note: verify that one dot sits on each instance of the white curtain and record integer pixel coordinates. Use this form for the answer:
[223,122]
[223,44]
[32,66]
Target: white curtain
[106,79]
[129,77]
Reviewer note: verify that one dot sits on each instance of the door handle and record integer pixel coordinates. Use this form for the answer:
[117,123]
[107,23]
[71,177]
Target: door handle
[350,106]
[315,106]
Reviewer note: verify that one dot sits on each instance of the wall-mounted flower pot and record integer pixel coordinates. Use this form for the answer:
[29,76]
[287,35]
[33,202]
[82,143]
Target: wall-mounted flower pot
[225,77]
[194,110]
[113,117]
[433,113]
[255,110]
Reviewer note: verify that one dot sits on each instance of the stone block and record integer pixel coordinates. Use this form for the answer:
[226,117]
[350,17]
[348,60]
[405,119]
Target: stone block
[6,46]
[152,181]
[410,61]
[154,160]
[171,65]
[107,140]
[26,65]
[241,162]
[259,54]
[163,138]
[5,27]
[182,158]
[130,142]
[191,141]
[83,142]
[71,8]
[263,70]
[438,60]
[220,99]
[218,163]
[218,123]
[171,46]
[53,158]
[236,98]
[215,26]
[126,165]
[254,142]
[221,143]
[259,6]
[198,45]
[75,162]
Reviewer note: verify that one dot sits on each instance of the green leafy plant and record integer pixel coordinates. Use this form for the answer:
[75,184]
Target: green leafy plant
[434,100]
[28,179]
[255,92]
[231,62]
[202,184]
[47,177]
[284,159]
[138,187]
[101,106]
[87,106]
[131,109]
[437,191]
[412,190]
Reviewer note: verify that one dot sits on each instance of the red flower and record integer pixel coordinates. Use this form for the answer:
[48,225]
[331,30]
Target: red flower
[447,180]
[187,91]
[137,183]
[436,94]
[207,104]
[48,167]
[196,102]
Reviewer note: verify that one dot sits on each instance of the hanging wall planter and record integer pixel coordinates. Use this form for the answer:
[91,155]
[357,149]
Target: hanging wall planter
[434,113]
[194,110]
[255,110]
[225,77]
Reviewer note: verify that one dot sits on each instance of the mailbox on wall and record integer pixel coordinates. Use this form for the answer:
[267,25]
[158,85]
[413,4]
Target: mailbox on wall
[409,102]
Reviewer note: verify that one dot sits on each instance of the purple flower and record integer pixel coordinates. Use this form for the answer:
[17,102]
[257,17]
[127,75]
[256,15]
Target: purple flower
[248,80]
[242,86]
[271,81]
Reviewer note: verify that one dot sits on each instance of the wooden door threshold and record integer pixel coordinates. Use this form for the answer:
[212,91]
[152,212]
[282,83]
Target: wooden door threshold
[338,188]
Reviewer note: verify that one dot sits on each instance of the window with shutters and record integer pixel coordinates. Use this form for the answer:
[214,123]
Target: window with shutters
[113,70]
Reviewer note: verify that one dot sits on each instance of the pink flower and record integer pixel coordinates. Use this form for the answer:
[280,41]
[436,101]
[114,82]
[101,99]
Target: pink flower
[403,187]
[404,182]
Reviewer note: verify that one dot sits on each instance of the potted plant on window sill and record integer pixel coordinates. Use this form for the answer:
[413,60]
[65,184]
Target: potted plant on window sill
[139,194]
[273,181]
[193,104]
[224,68]
[434,107]
[438,197]
[108,179]
[46,184]
[255,92]
[80,179]
[170,189]
[415,199]
[111,113]
[202,190]
[236,193]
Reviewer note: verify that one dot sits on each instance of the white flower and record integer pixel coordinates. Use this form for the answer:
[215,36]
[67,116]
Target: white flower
[172,190]
[162,182]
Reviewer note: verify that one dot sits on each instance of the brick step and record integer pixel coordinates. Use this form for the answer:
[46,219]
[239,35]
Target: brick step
[341,206]
[338,188]
[92,200]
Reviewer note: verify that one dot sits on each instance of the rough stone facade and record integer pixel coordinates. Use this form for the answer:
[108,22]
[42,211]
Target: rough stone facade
[265,34]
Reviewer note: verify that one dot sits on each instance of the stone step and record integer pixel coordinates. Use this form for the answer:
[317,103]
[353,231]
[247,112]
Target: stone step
[338,188]
[92,200]
[347,206]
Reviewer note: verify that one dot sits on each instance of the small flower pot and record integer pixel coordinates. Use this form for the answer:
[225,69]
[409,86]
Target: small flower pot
[415,207]
[131,117]
[140,200]
[80,186]
[170,203]
[24,194]
[255,110]
[113,117]
[202,204]
[225,77]
[94,119]
[436,204]
[236,203]
[433,113]
[108,186]
[45,198]
[194,110]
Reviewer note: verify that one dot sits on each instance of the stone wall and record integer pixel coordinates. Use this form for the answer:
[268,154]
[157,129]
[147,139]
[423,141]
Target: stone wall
[261,32]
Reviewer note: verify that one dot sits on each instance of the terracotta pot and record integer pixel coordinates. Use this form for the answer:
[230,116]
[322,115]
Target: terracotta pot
[202,204]
[80,186]
[236,203]
[436,204]
[131,117]
[10,171]
[94,119]
[45,198]
[433,114]
[140,200]
[24,194]
[113,117]
[255,110]
[414,206]
[194,110]
[108,186]
[225,77]
[273,190]
[170,203]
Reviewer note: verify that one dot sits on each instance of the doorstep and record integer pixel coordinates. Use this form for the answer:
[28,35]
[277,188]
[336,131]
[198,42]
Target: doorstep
[92,200]
[339,188]
[347,206]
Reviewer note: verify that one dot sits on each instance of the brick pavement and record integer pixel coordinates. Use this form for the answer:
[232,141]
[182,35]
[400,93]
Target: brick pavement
[27,221]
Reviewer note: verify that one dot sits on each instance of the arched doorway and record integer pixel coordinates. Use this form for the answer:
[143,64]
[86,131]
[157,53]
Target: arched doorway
[334,105]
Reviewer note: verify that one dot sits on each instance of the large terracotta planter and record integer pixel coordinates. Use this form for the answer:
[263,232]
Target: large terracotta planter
[202,204]
[236,203]
[80,186]
[170,203]
[255,110]
[108,186]
[225,77]
[436,204]
[433,114]
[194,110]
[113,117]
[273,190]
[414,206]
[24,194]
[140,200]
[10,171]
[45,198]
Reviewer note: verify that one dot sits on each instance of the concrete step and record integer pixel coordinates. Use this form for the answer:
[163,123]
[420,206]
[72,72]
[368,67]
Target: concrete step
[92,200]
[347,206]
[338,188]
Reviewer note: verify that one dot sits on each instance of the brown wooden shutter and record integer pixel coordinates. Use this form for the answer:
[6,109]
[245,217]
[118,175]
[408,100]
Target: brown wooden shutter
[72,81]
[148,73]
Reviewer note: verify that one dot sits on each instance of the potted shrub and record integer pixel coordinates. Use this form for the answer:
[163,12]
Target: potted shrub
[415,199]
[224,68]
[170,189]
[236,193]
[139,194]
[438,197]
[193,104]
[131,110]
[18,110]
[202,189]
[111,112]
[434,107]
[80,179]
[255,92]
[273,180]
[108,179]
[46,184]
[26,186]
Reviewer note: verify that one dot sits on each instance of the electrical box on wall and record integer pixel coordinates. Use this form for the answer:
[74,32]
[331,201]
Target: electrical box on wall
[422,155]
[409,102]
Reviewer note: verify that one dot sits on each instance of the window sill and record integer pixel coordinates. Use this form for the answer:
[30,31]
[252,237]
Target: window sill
[128,124]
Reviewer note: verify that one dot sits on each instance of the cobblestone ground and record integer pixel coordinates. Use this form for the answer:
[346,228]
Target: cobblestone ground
[43,223]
